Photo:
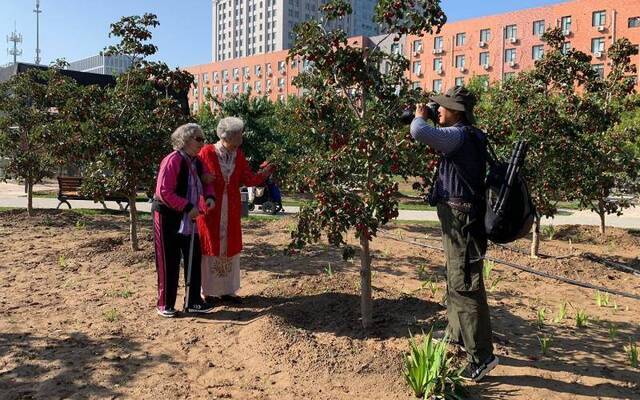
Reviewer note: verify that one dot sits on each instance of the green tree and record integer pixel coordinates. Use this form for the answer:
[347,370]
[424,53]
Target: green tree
[610,168]
[34,121]
[131,131]
[352,143]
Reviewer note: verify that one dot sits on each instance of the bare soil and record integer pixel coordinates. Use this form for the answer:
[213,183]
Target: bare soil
[77,317]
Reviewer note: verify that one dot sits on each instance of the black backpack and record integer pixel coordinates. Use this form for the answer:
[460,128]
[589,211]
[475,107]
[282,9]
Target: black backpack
[509,211]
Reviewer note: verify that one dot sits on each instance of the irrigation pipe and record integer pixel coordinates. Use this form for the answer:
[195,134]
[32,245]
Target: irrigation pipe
[527,269]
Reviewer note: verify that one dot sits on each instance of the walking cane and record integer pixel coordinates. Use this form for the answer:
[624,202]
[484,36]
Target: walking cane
[189,266]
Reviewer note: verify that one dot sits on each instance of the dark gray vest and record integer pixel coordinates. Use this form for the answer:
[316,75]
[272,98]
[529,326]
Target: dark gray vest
[470,161]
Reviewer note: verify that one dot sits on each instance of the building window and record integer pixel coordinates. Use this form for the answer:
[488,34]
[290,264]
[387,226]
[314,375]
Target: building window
[565,24]
[460,81]
[599,18]
[484,58]
[258,86]
[438,43]
[511,32]
[258,70]
[460,61]
[634,22]
[437,64]
[461,38]
[215,76]
[538,27]
[245,72]
[225,89]
[282,66]
[245,87]
[437,86]
[396,49]
[205,77]
[415,85]
[417,46]
[417,67]
[599,68]
[597,45]
[485,35]
[537,52]
[236,88]
[281,82]
[225,75]
[566,47]
[236,73]
[510,55]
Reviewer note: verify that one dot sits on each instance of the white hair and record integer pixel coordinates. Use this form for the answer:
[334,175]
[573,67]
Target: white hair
[183,133]
[229,127]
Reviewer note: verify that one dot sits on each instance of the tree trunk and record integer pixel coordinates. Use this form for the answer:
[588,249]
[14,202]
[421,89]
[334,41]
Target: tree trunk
[602,215]
[535,240]
[133,223]
[366,306]
[29,187]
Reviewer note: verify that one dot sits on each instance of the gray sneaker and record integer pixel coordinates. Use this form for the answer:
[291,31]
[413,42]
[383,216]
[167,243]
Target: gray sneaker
[167,312]
[475,372]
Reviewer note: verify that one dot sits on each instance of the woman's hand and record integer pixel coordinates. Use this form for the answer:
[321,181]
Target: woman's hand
[193,214]
[210,202]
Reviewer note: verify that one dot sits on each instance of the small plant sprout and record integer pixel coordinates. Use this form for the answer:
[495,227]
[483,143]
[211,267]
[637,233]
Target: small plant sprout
[80,224]
[541,317]
[615,305]
[433,287]
[494,283]
[62,261]
[549,231]
[562,313]
[545,344]
[613,331]
[487,268]
[581,318]
[632,354]
[602,299]
[111,315]
[329,270]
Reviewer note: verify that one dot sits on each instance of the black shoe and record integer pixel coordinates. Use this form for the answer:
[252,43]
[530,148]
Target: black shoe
[167,312]
[200,308]
[475,372]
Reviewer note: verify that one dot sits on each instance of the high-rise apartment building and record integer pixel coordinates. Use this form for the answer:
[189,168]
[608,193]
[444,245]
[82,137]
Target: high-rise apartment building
[248,27]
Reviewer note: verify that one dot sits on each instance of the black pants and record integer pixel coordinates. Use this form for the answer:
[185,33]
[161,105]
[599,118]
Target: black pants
[172,247]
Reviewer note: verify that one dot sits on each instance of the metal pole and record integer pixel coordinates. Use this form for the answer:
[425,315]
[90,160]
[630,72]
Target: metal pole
[37,11]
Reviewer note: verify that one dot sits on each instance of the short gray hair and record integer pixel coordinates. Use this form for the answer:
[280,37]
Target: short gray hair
[229,127]
[184,132]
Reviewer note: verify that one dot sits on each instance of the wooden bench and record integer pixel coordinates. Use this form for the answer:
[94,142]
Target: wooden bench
[69,189]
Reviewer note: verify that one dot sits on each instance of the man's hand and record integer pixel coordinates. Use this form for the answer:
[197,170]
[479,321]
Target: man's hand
[421,110]
[210,203]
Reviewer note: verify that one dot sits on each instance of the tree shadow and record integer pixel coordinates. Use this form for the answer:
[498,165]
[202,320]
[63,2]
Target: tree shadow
[76,366]
[337,313]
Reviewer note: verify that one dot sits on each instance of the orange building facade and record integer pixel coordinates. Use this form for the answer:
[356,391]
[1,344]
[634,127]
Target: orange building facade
[494,47]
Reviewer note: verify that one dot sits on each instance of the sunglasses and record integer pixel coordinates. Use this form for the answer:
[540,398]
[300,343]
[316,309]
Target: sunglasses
[198,139]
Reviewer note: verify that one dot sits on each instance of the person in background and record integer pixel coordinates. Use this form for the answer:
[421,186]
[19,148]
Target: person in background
[220,230]
[178,200]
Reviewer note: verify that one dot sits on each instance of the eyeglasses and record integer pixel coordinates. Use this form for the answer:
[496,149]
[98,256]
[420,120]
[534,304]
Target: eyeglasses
[198,139]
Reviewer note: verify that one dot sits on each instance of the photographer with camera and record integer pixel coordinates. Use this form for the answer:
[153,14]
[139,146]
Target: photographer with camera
[458,191]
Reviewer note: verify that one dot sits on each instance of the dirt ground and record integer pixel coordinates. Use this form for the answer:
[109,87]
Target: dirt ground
[77,318]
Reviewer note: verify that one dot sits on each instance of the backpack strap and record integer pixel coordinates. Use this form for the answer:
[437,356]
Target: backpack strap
[463,177]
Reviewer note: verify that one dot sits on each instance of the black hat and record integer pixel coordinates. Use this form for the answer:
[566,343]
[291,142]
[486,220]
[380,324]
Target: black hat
[458,98]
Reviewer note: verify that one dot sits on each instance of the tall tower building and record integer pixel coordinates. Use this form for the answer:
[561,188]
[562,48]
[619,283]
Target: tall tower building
[246,27]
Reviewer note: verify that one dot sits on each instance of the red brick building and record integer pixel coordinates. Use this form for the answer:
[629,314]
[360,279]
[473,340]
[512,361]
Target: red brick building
[492,46]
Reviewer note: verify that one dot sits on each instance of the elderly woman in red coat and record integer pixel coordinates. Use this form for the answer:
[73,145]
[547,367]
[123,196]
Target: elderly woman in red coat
[220,232]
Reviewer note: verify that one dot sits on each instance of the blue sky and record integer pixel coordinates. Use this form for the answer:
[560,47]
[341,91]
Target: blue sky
[75,29]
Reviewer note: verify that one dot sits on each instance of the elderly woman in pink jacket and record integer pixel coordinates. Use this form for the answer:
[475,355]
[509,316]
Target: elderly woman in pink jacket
[181,195]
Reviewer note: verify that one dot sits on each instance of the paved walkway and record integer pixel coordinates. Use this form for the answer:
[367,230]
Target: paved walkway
[12,195]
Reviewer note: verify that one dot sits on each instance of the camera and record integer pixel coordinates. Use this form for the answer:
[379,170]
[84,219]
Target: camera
[431,109]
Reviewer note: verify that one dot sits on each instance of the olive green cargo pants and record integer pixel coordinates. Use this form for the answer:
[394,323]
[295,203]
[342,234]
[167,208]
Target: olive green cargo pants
[465,245]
